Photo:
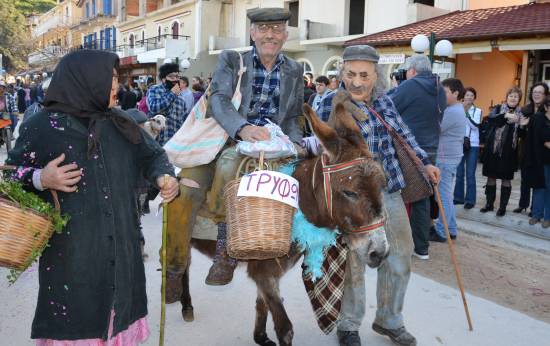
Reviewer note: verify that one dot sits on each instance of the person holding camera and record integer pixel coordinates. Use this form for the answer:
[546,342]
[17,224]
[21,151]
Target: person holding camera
[421,100]
[471,152]
[167,99]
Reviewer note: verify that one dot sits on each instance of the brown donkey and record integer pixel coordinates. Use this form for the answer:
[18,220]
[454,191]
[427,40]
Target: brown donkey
[356,201]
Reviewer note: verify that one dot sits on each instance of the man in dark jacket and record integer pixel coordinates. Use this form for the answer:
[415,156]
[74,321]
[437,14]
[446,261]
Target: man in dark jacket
[272,90]
[421,101]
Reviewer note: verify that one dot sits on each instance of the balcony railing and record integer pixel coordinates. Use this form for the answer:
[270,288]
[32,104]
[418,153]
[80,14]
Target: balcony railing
[145,45]
[47,54]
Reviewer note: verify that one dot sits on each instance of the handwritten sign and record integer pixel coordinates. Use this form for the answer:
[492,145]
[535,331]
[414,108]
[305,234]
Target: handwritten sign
[271,185]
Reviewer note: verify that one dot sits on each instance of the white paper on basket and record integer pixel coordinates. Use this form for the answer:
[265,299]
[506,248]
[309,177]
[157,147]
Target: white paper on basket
[271,185]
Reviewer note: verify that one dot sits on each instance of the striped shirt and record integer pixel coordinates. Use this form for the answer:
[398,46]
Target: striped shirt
[265,91]
[379,140]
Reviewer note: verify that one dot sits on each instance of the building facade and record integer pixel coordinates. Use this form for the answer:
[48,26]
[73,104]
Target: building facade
[51,35]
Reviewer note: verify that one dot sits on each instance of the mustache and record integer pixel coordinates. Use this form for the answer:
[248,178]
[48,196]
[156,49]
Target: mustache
[356,89]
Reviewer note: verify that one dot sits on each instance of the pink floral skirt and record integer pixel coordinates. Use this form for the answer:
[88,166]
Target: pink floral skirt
[136,334]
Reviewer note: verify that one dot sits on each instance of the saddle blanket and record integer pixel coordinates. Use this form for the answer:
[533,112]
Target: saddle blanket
[325,293]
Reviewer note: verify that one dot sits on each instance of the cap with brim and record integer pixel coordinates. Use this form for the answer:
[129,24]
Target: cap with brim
[270,14]
[137,115]
[361,52]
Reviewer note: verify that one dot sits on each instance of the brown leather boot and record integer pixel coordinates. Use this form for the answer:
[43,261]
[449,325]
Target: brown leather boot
[221,271]
[174,287]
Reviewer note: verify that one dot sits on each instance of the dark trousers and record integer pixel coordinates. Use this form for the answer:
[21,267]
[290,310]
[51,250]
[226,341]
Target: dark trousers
[525,190]
[421,221]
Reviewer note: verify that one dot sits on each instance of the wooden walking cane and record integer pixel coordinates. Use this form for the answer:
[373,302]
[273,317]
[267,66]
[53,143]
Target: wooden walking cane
[163,284]
[184,182]
[453,255]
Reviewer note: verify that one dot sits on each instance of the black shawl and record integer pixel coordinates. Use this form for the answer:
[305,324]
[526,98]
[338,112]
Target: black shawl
[81,87]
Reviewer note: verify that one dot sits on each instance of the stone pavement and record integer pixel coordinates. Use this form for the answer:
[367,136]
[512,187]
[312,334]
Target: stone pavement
[225,315]
[512,228]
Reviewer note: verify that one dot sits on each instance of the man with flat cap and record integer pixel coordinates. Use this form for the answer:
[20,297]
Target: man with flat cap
[364,91]
[272,90]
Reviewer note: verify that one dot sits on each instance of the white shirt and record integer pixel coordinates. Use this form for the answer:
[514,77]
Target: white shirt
[472,131]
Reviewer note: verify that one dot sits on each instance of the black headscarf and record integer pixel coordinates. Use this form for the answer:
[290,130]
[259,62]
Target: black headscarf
[81,87]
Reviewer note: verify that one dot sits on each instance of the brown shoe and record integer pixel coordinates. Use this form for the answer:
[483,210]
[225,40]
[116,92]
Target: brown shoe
[221,272]
[533,221]
[174,287]
[545,224]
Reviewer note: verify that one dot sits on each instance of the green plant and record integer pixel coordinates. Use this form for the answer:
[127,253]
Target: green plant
[26,200]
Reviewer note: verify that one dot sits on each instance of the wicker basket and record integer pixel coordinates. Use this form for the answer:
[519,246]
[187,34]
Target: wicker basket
[257,228]
[21,232]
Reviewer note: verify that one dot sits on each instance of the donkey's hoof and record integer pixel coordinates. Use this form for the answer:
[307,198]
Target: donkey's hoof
[263,340]
[187,314]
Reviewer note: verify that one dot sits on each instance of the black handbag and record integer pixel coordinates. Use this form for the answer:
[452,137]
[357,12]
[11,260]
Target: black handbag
[466,145]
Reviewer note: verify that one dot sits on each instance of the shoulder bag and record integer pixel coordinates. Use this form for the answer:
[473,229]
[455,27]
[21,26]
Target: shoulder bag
[417,183]
[199,140]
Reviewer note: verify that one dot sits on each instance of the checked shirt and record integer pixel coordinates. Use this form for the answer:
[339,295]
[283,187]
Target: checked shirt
[265,91]
[379,140]
[160,100]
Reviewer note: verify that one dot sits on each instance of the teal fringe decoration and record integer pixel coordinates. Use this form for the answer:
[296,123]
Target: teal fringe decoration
[310,238]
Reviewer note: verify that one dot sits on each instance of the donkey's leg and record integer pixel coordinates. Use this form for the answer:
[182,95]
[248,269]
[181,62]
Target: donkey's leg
[260,335]
[269,288]
[186,305]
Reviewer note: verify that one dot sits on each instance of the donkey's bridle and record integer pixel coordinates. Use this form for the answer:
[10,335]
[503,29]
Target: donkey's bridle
[327,170]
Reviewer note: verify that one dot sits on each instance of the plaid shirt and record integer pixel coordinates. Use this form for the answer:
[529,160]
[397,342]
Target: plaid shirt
[265,91]
[11,103]
[160,100]
[379,140]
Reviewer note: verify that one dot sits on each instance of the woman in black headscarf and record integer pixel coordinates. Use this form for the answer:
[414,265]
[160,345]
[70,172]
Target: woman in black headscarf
[92,280]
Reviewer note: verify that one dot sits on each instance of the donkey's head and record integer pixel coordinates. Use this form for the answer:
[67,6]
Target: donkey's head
[348,183]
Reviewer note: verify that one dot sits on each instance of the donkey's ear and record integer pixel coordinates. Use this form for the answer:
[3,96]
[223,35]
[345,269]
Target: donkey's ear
[347,128]
[326,135]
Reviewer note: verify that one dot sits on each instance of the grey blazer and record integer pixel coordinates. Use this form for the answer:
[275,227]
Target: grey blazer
[224,82]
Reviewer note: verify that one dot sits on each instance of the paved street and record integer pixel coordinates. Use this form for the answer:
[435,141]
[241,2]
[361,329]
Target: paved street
[225,315]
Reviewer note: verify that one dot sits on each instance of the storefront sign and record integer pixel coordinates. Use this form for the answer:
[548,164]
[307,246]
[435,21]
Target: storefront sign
[271,185]
[387,59]
[128,60]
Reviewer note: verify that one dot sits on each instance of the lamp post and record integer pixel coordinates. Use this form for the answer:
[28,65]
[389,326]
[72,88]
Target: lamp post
[420,43]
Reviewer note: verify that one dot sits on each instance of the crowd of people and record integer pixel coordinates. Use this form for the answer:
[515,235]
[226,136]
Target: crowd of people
[99,154]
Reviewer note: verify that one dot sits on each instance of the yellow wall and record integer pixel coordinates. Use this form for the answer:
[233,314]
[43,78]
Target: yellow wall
[476,4]
[491,74]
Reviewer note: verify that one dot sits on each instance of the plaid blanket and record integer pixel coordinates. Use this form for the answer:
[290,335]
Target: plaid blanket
[325,294]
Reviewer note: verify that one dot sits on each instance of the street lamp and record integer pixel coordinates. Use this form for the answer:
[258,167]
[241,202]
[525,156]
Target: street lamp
[420,43]
[185,64]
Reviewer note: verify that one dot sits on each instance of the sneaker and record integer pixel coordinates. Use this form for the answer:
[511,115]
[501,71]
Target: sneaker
[422,256]
[348,338]
[468,206]
[399,336]
[545,224]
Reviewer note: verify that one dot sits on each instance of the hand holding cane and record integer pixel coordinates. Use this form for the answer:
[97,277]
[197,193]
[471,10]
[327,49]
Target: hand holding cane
[453,255]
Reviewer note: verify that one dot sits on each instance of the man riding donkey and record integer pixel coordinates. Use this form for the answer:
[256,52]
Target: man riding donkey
[272,90]
[364,97]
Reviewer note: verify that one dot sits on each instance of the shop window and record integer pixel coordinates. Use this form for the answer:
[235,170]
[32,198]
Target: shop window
[306,65]
[332,66]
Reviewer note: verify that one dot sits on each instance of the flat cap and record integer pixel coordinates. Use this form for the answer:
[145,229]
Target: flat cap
[361,52]
[268,14]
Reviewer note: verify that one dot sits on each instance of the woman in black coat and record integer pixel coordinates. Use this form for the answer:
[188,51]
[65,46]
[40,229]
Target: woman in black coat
[537,94]
[92,279]
[537,163]
[500,156]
